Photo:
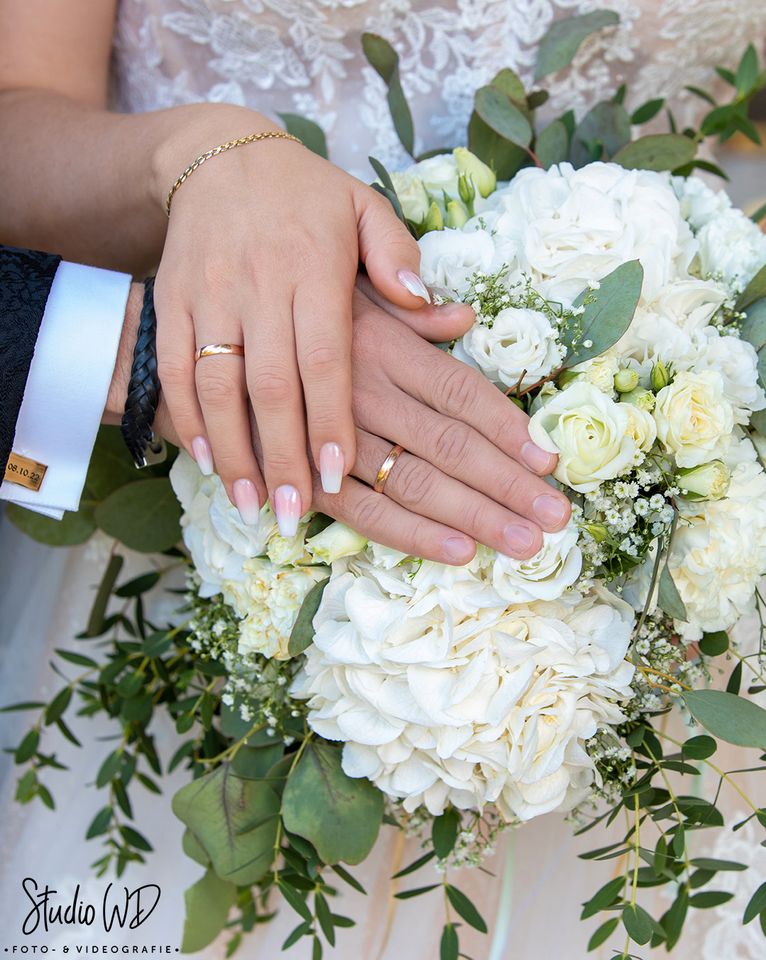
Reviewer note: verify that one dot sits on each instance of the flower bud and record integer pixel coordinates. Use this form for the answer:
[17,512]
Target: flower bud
[466,190]
[434,219]
[708,481]
[457,214]
[483,176]
[625,380]
[660,377]
[598,531]
[639,398]
[334,542]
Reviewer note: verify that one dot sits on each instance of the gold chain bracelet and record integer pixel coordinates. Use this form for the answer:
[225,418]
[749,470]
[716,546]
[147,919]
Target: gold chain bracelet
[229,145]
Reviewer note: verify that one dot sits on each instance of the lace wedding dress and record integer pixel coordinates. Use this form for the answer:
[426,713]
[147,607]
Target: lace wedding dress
[304,56]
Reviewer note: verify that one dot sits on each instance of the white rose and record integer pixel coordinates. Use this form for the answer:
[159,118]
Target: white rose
[719,551]
[641,427]
[554,568]
[693,417]
[335,541]
[519,341]
[449,258]
[412,196]
[737,363]
[590,433]
[732,245]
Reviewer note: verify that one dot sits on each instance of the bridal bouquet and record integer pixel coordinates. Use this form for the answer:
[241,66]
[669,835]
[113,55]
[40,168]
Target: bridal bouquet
[325,684]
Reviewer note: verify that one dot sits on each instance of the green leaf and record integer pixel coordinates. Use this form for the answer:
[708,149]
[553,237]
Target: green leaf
[759,214]
[73,529]
[253,763]
[756,904]
[77,658]
[139,585]
[416,891]
[145,515]
[728,717]
[558,47]
[101,601]
[57,706]
[449,947]
[465,908]
[23,705]
[296,901]
[753,327]
[28,747]
[111,466]
[755,290]
[302,634]
[511,85]
[385,61]
[109,768]
[673,920]
[309,133]
[208,903]
[714,644]
[608,314]
[324,916]
[603,898]
[669,598]
[603,130]
[699,748]
[603,933]
[444,832]
[300,931]
[710,863]
[735,680]
[637,923]
[215,807]
[194,849]
[552,144]
[647,111]
[747,71]
[415,865]
[657,151]
[709,898]
[340,815]
[501,114]
[350,880]
[136,839]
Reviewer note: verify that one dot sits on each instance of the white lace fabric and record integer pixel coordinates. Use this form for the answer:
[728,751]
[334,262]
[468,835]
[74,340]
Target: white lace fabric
[305,57]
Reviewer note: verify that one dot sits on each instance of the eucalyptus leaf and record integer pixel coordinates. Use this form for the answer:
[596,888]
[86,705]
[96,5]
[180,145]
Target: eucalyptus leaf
[603,130]
[668,596]
[658,151]
[714,644]
[145,515]
[302,634]
[754,325]
[71,530]
[647,111]
[502,115]
[111,466]
[756,904]
[194,849]
[510,83]
[208,903]
[385,61]
[562,41]
[728,717]
[309,133]
[340,815]
[755,290]
[504,157]
[215,807]
[608,314]
[637,923]
[552,144]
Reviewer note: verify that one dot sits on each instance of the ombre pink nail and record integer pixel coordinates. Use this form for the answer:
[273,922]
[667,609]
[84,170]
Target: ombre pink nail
[331,465]
[414,285]
[287,506]
[203,455]
[246,500]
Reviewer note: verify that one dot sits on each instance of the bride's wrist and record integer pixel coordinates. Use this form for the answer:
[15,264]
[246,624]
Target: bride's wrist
[193,130]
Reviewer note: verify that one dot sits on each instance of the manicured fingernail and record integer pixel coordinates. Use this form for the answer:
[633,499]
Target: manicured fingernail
[458,549]
[287,506]
[414,285]
[331,464]
[550,511]
[518,538]
[203,455]
[246,500]
[536,458]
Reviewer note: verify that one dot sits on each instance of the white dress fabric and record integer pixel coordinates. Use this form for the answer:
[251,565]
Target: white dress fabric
[304,56]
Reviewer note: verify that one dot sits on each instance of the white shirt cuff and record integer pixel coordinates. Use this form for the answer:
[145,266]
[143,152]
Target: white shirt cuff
[68,383]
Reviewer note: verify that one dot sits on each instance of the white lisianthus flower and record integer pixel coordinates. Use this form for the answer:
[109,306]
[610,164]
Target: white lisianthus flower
[732,245]
[693,417]
[600,371]
[412,195]
[737,363]
[335,541]
[449,258]
[438,175]
[436,707]
[590,433]
[719,551]
[546,575]
[520,341]
[215,535]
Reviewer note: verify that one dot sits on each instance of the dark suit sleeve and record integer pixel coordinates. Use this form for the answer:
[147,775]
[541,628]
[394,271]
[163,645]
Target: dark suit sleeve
[25,282]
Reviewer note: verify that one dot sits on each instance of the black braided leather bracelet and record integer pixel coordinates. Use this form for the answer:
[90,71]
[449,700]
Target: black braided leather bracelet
[144,387]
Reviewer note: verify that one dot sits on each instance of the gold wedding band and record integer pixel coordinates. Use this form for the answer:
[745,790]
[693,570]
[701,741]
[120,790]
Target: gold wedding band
[218,350]
[386,467]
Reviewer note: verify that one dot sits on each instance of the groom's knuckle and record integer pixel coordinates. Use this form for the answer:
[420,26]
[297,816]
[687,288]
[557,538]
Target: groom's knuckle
[509,487]
[452,445]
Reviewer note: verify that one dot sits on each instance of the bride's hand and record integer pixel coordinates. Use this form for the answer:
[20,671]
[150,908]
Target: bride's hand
[470,472]
[262,250]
